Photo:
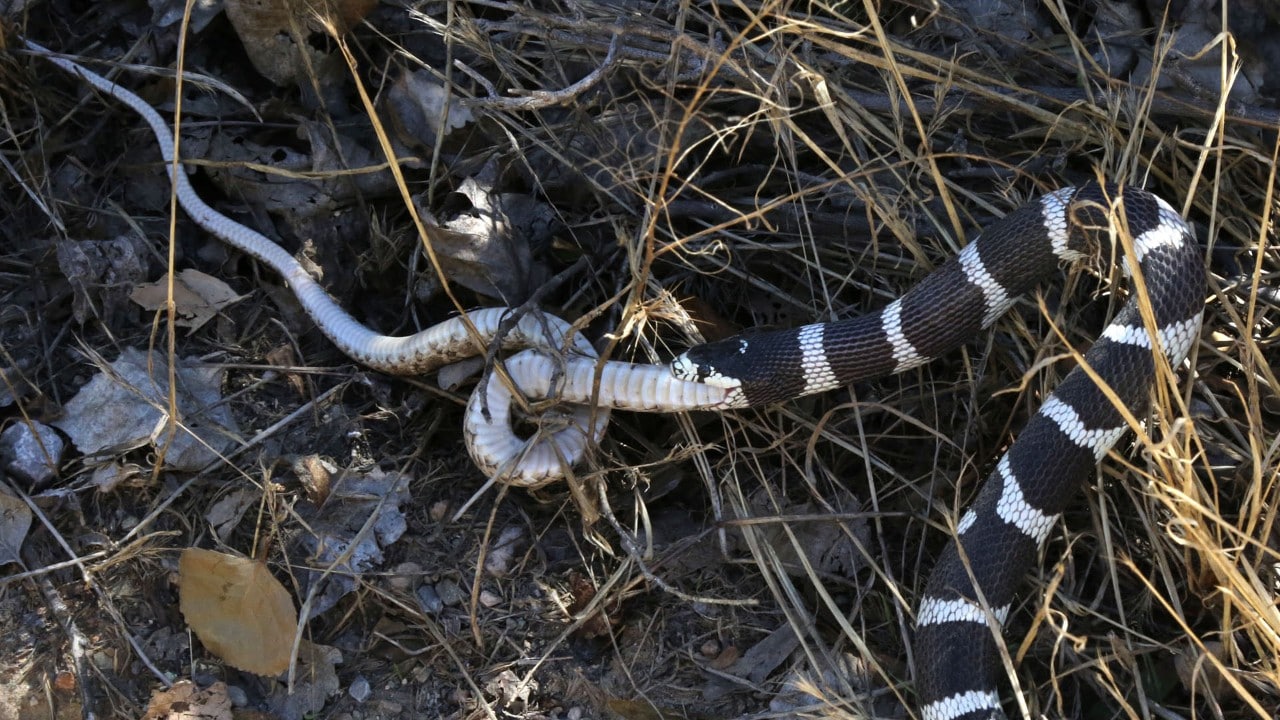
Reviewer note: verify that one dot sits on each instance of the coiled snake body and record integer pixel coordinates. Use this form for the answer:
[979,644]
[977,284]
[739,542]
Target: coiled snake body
[999,534]
[1002,530]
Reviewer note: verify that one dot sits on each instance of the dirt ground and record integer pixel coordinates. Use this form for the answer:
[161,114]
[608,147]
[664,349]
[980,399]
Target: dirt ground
[658,174]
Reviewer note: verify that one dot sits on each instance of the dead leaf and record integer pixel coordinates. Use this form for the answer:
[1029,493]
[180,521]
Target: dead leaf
[361,515]
[121,409]
[756,664]
[726,658]
[510,692]
[333,153]
[502,554]
[314,683]
[100,271]
[64,681]
[226,513]
[275,33]
[419,106]
[111,475]
[197,297]
[828,542]
[316,475]
[167,13]
[274,37]
[286,189]
[583,592]
[15,521]
[238,609]
[283,356]
[486,245]
[185,701]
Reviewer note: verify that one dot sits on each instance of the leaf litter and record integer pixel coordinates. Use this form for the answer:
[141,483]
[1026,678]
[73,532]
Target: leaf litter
[345,537]
[125,407]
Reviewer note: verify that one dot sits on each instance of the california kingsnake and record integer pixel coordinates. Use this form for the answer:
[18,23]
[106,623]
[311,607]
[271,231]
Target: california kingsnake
[1003,529]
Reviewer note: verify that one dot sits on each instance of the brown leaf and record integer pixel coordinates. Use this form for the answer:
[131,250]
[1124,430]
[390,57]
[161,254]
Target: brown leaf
[603,620]
[238,610]
[273,38]
[316,476]
[64,681]
[283,356]
[275,32]
[197,297]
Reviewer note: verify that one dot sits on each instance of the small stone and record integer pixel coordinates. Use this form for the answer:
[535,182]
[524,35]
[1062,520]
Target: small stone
[31,451]
[404,575]
[429,600]
[449,591]
[239,698]
[490,599]
[102,660]
[359,689]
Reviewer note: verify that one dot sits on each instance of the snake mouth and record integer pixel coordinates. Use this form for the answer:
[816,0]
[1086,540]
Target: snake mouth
[685,369]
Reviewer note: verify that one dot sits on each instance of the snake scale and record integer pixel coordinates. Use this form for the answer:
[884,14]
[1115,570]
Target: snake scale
[1000,533]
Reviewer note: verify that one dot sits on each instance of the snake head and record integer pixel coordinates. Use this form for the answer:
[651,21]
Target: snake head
[753,366]
[712,364]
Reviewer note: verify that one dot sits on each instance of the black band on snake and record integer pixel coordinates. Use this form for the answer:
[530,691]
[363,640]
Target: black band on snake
[1001,532]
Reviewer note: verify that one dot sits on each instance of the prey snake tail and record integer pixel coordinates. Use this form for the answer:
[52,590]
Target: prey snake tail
[999,534]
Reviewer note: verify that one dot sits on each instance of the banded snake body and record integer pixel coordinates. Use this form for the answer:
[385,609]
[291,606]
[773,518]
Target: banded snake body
[1000,533]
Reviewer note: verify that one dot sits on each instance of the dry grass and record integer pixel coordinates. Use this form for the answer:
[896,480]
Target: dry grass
[786,163]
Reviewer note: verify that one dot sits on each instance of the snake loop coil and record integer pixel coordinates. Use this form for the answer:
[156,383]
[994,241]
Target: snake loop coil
[1000,534]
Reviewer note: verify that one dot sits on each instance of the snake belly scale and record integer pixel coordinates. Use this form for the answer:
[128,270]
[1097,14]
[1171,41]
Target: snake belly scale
[999,534]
